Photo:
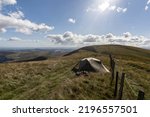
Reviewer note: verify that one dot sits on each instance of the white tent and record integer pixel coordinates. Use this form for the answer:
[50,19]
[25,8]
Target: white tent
[91,65]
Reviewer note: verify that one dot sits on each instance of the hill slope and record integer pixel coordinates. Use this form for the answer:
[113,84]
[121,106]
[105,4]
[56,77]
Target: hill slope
[53,78]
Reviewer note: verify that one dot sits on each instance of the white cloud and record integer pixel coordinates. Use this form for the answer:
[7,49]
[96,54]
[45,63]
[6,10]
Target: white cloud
[16,20]
[57,39]
[3,30]
[112,8]
[146,8]
[109,35]
[148,2]
[66,38]
[17,14]
[127,34]
[104,6]
[69,38]
[123,10]
[90,38]
[71,20]
[21,25]
[7,2]
[15,39]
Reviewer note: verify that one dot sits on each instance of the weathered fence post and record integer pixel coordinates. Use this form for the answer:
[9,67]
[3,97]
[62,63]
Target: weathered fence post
[141,95]
[110,56]
[112,65]
[116,84]
[121,86]
[113,70]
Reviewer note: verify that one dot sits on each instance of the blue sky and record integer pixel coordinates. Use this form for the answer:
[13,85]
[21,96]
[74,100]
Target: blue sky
[46,23]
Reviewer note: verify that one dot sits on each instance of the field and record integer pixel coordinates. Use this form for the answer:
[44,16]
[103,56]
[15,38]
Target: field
[53,78]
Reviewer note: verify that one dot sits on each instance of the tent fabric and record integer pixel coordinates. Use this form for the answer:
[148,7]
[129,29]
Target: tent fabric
[91,65]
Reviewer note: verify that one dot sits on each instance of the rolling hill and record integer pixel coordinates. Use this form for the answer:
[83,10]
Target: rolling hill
[53,78]
[29,54]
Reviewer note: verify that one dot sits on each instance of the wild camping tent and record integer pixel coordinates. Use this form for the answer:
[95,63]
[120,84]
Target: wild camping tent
[90,65]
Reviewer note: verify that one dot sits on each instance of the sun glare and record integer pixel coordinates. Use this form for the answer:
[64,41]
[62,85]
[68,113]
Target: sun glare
[103,6]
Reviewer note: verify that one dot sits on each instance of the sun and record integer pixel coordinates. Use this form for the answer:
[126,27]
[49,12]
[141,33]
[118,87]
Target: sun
[105,5]
[102,7]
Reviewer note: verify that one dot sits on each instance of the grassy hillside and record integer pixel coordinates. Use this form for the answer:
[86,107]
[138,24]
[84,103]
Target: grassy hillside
[53,78]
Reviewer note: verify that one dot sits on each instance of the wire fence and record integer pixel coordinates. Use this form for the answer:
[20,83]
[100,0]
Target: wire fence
[134,91]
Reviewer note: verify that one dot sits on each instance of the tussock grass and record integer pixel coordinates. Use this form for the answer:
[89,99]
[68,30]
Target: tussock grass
[53,78]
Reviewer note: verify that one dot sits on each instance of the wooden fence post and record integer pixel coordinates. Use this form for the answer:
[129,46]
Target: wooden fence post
[110,56]
[116,84]
[113,70]
[141,95]
[121,86]
[112,66]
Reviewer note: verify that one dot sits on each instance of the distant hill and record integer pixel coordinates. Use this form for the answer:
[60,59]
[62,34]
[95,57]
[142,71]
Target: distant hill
[117,50]
[53,78]
[26,55]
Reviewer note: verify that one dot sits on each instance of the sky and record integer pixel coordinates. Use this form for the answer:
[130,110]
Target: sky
[74,23]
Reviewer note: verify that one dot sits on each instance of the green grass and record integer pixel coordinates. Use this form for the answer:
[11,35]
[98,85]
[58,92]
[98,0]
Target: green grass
[53,78]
